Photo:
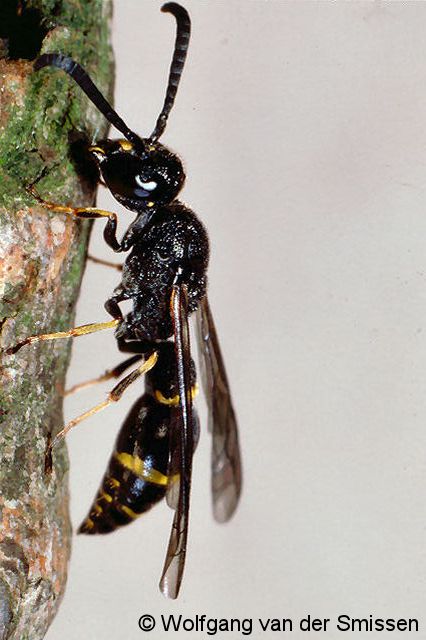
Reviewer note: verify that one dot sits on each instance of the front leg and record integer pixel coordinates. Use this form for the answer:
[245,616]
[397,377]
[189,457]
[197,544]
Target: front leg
[112,307]
[91,213]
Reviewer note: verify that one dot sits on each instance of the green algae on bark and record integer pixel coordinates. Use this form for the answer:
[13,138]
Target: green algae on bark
[41,262]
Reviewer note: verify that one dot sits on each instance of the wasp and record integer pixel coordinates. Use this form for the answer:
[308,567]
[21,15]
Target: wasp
[164,278]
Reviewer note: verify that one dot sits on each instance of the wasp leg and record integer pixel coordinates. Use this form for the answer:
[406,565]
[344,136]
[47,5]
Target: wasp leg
[113,396]
[72,333]
[110,231]
[111,306]
[110,373]
[105,263]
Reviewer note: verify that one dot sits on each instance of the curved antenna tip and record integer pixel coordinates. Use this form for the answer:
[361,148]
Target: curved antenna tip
[168,5]
[183,32]
[174,8]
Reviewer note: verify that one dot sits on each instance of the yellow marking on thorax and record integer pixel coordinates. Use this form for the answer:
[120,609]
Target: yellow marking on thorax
[125,145]
[113,483]
[173,402]
[140,469]
[170,402]
[97,508]
[105,496]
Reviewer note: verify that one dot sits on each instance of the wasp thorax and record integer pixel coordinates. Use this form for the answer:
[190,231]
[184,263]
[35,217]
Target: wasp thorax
[142,177]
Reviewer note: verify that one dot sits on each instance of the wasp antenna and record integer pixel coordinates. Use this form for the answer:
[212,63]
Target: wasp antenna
[183,32]
[81,77]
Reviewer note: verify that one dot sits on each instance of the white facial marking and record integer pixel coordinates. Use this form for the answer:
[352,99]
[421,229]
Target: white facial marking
[148,186]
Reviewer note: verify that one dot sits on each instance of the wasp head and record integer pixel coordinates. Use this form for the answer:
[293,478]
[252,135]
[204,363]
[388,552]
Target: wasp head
[139,177]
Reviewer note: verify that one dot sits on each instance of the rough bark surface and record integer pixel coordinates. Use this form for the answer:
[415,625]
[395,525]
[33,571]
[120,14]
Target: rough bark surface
[41,263]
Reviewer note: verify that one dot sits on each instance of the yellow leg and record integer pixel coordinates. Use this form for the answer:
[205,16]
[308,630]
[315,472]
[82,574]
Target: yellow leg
[78,212]
[72,333]
[110,230]
[110,373]
[113,396]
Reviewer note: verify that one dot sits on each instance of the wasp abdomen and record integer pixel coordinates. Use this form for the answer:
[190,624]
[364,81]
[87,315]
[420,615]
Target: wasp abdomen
[122,497]
[136,477]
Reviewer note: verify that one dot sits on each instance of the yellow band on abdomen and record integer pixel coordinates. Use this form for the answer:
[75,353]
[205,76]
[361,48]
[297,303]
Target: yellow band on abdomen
[174,401]
[141,469]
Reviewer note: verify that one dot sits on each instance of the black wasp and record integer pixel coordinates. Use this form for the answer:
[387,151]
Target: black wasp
[164,276]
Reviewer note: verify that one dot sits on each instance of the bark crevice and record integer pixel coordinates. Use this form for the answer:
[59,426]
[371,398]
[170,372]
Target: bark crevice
[42,258]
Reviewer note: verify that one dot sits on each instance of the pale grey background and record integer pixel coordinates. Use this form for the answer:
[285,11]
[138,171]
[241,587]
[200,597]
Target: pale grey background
[303,129]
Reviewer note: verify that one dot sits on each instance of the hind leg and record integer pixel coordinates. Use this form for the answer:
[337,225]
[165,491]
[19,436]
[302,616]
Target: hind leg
[114,396]
[109,373]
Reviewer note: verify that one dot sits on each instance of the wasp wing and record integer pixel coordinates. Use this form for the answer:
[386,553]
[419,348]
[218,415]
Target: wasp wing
[175,463]
[181,453]
[226,458]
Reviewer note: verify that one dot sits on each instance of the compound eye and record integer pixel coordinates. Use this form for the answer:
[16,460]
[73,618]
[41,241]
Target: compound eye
[137,179]
[147,186]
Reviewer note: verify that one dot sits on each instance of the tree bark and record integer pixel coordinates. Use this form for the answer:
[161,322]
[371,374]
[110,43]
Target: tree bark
[41,262]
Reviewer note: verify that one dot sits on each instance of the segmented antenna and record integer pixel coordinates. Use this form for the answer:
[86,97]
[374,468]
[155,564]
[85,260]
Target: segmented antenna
[183,32]
[81,77]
